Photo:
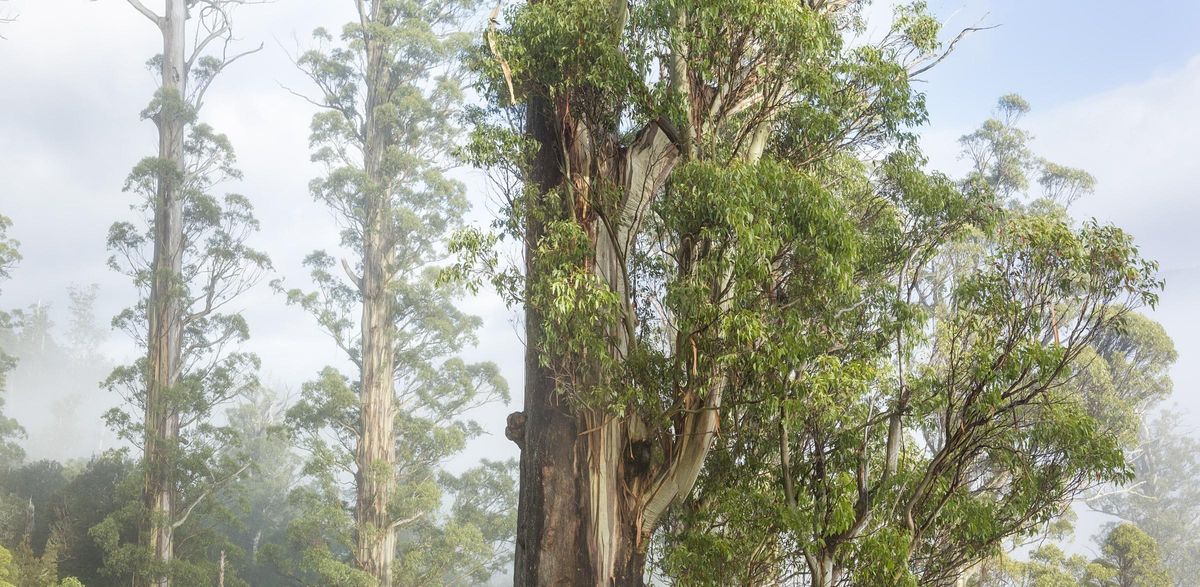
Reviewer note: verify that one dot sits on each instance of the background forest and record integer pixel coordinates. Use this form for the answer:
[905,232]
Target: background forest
[667,292]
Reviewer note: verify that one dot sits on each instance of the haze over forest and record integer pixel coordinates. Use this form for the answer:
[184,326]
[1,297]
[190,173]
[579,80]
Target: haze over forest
[882,293]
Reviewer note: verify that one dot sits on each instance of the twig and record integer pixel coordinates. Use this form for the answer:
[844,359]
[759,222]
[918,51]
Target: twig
[950,48]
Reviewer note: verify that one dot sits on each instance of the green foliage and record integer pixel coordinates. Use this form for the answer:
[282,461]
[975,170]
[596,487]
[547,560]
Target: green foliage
[896,351]
[216,264]
[392,99]
[1162,500]
[7,572]
[10,431]
[9,249]
[1130,558]
[254,508]
[980,365]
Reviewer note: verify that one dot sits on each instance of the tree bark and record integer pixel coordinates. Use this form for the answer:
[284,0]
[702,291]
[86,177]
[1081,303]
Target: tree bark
[165,310]
[590,495]
[375,545]
[823,569]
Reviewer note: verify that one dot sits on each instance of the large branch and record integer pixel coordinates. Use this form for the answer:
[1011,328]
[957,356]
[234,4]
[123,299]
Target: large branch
[646,165]
[188,510]
[687,457]
[949,49]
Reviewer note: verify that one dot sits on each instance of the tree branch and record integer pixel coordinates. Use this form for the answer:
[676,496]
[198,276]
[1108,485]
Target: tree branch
[950,49]
[188,511]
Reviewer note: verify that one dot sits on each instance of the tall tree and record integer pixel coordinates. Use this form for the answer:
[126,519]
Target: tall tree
[686,190]
[189,262]
[673,163]
[868,436]
[257,505]
[390,100]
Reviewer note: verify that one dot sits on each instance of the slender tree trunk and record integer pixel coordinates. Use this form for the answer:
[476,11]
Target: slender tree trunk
[375,454]
[165,306]
[823,569]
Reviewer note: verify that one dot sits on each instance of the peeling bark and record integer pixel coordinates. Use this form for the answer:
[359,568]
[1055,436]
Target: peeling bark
[165,308]
[589,495]
[375,458]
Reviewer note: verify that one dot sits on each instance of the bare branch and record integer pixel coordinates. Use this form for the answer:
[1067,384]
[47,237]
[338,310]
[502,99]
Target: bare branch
[188,511]
[950,49]
[199,48]
[356,280]
[198,101]
[491,39]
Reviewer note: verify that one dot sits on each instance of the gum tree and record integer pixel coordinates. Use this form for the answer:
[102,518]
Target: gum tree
[666,166]
[389,97]
[189,259]
[714,228]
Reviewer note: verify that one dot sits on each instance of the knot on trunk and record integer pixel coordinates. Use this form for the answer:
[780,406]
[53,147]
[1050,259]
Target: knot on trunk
[515,430]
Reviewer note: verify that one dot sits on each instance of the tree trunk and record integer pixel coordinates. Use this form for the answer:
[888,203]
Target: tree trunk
[165,311]
[823,569]
[375,545]
[375,453]
[591,493]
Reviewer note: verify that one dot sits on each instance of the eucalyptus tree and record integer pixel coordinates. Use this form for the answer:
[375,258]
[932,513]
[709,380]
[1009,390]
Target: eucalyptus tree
[390,99]
[84,335]
[189,258]
[922,420]
[719,237]
[670,168]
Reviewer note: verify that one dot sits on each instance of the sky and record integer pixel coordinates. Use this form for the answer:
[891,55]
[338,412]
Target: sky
[1113,85]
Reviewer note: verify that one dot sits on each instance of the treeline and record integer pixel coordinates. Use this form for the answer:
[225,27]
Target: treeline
[765,344]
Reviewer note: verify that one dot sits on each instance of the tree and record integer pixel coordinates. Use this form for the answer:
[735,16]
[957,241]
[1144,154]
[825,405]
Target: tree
[10,452]
[1124,371]
[104,486]
[1129,558]
[1163,500]
[84,335]
[258,505]
[189,261]
[60,372]
[390,100]
[678,179]
[675,222]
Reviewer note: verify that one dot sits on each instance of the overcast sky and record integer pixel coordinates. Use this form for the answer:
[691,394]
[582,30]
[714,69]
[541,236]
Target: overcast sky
[1114,87]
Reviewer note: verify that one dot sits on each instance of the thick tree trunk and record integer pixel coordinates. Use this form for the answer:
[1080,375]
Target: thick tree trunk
[165,310]
[591,493]
[375,544]
[375,453]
